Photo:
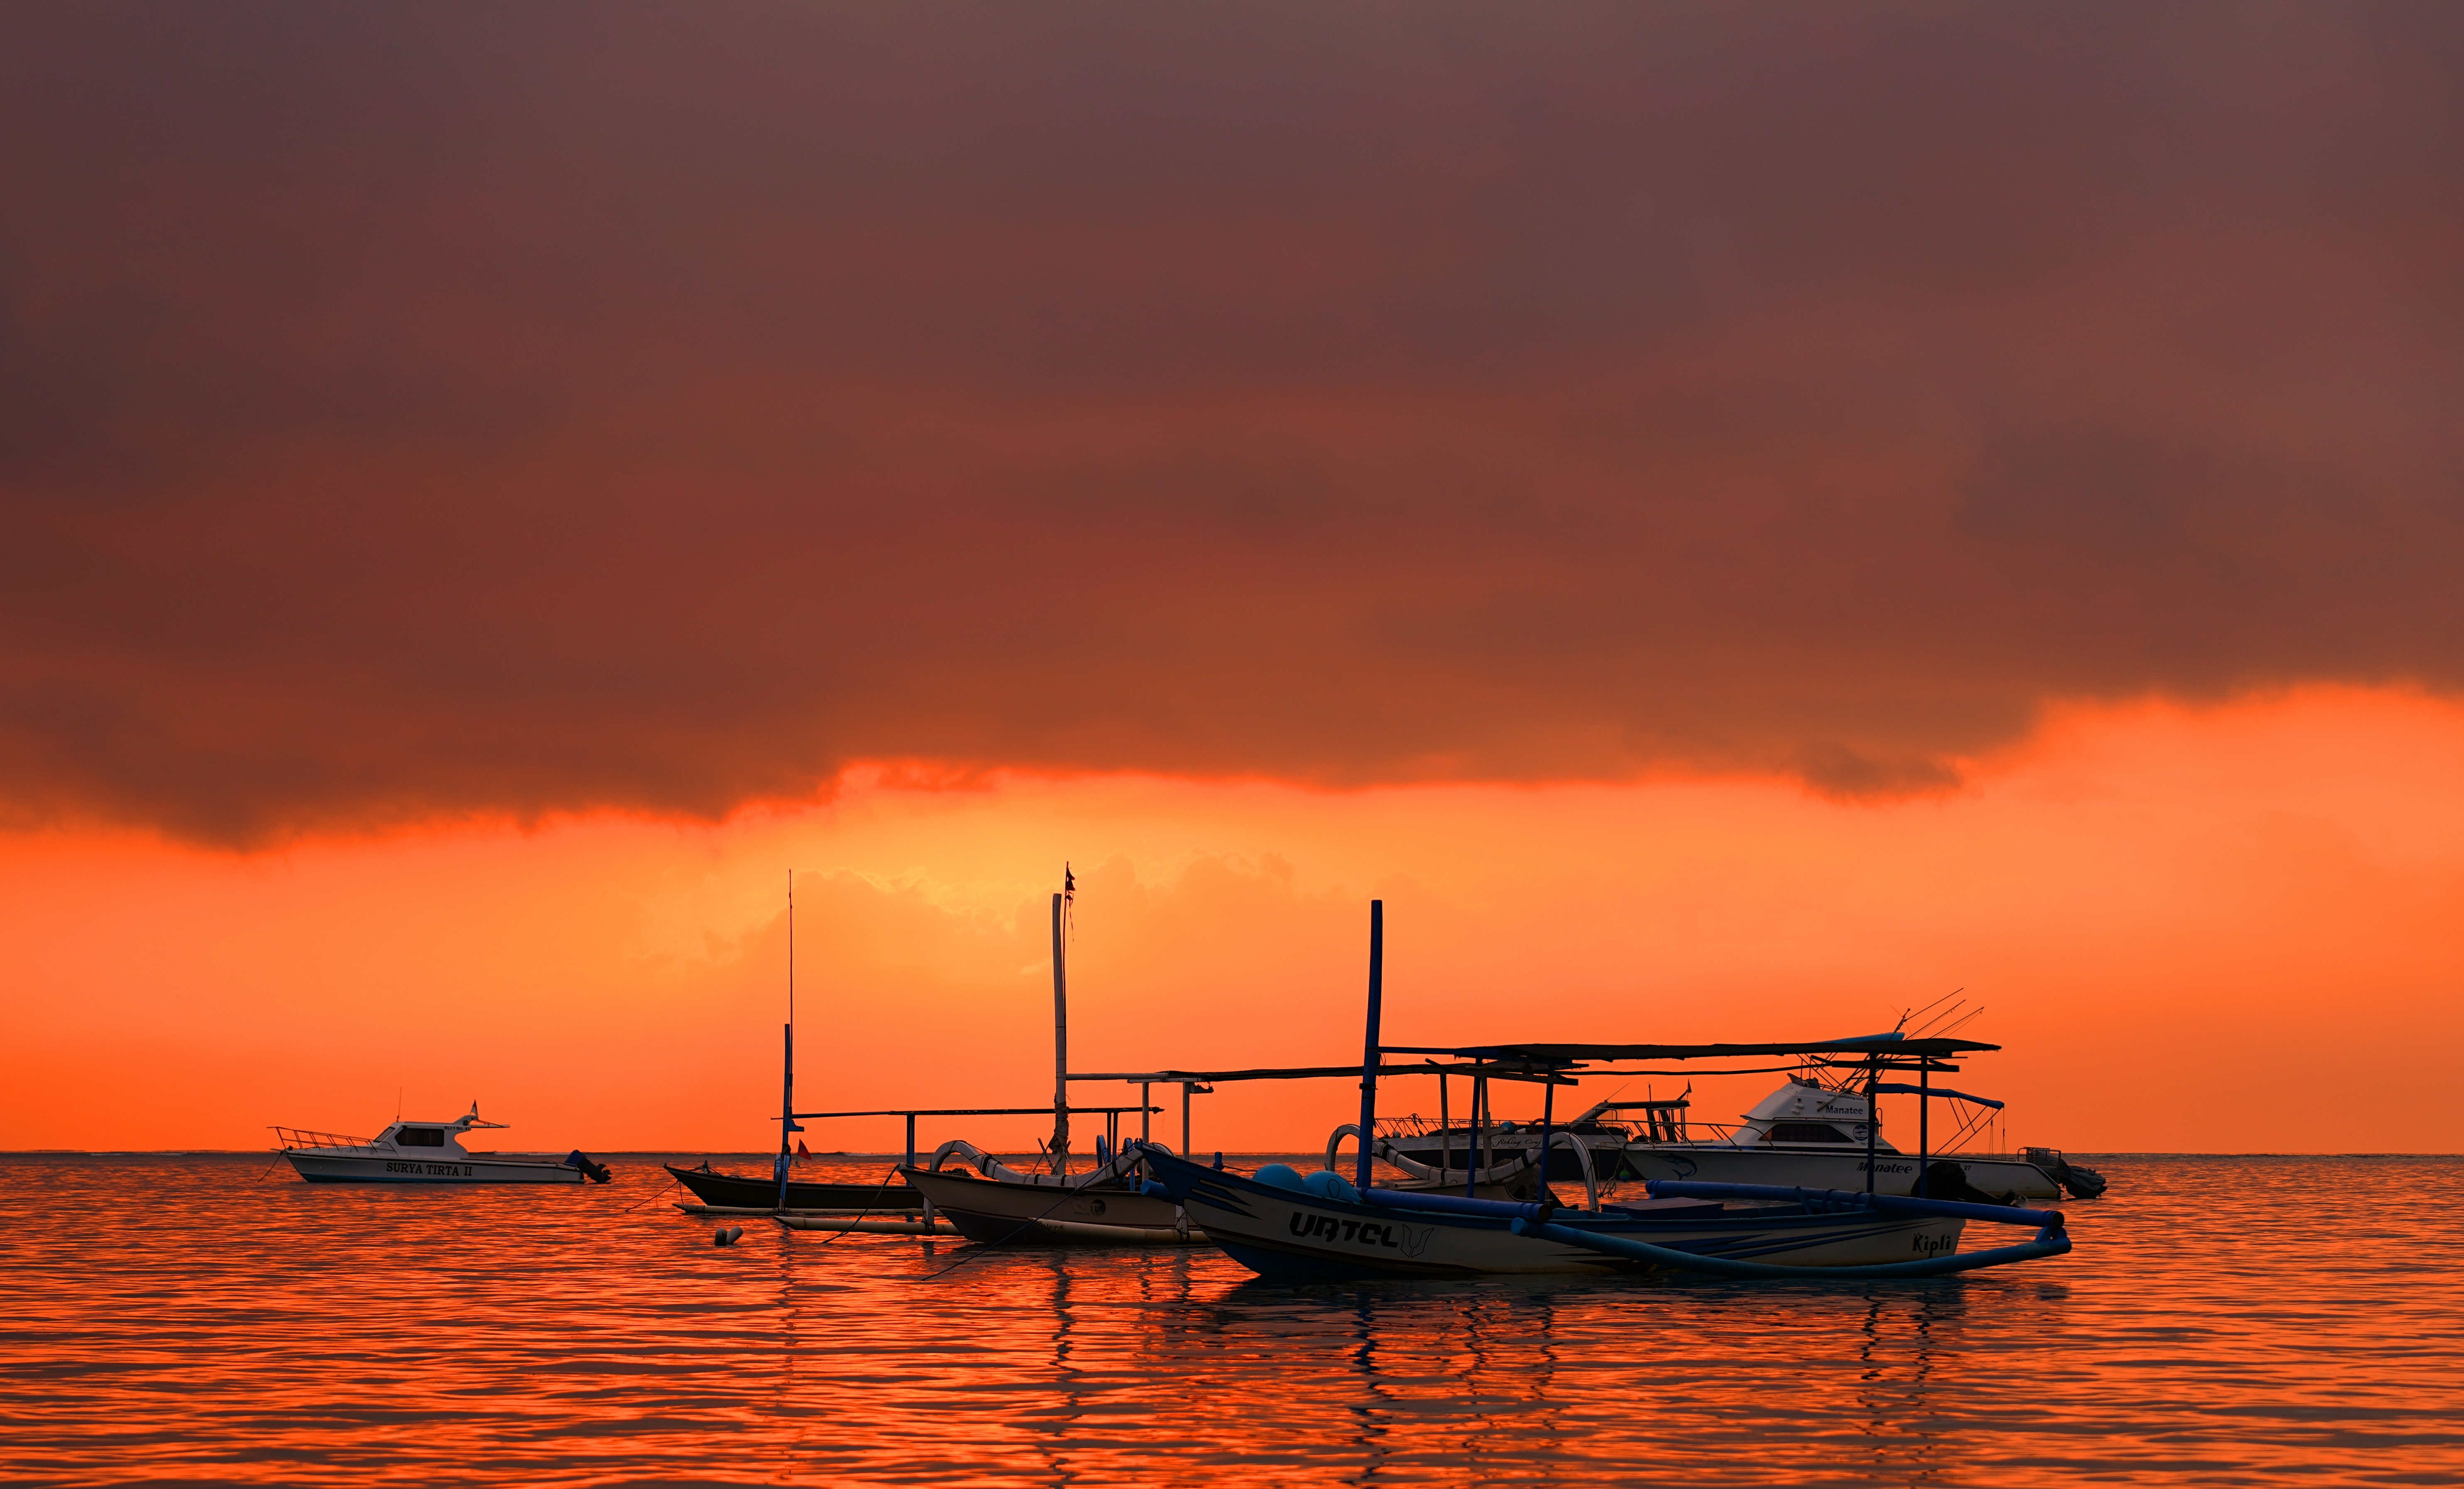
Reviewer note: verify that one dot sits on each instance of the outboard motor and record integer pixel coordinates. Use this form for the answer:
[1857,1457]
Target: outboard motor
[2082,1182]
[595,1172]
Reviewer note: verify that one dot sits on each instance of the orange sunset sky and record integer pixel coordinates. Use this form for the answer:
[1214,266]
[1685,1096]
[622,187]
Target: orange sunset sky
[1733,521]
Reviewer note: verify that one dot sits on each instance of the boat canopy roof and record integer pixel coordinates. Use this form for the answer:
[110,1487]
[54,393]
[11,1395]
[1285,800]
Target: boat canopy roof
[1887,1046]
[1494,1070]
[968,1111]
[1938,1092]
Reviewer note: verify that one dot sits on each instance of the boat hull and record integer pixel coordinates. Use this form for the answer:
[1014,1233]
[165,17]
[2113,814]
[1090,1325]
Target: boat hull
[996,1213]
[1829,1168]
[384,1168]
[759,1191]
[1290,1235]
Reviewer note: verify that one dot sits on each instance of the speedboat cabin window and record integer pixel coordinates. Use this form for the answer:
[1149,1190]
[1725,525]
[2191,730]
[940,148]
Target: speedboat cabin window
[1805,1132]
[420,1137]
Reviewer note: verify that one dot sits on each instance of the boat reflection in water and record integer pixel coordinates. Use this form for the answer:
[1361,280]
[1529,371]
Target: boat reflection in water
[199,1337]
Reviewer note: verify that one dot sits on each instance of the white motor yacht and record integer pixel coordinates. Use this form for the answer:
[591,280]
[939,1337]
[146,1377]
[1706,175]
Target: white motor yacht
[1805,1135]
[1809,1135]
[426,1152]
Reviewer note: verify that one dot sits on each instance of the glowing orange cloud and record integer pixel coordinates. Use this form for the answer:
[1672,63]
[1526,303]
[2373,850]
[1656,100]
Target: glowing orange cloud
[2219,929]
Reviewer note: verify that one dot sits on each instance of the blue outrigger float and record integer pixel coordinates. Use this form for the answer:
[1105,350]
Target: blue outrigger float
[1285,1225]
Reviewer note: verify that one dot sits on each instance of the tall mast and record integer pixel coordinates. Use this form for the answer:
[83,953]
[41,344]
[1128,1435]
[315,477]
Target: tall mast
[1371,1054]
[1061,1025]
[787,1080]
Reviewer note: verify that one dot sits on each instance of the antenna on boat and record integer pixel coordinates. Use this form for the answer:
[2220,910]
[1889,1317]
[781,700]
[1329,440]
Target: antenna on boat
[1924,1030]
[1953,1027]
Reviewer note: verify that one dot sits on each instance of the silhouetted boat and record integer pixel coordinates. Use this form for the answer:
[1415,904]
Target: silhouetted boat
[761,1192]
[1285,1225]
[1282,1224]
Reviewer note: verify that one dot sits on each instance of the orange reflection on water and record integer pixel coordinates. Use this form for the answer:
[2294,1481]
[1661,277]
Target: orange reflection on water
[2223,1321]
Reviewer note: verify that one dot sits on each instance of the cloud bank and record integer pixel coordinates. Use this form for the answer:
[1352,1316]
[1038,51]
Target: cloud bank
[449,410]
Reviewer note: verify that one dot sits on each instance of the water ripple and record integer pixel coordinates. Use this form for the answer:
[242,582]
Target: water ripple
[202,1320]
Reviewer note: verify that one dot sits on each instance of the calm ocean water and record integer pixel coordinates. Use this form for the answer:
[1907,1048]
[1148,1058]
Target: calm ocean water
[200,1319]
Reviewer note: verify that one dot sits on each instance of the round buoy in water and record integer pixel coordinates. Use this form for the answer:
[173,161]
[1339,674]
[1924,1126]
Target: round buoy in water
[726,1235]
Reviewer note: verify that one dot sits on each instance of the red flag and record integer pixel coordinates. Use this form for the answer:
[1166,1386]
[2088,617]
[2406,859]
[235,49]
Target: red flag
[800,1154]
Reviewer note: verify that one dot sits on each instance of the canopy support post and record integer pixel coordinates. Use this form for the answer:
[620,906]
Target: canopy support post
[1873,1114]
[1548,1124]
[1924,1116]
[1473,1161]
[1369,1053]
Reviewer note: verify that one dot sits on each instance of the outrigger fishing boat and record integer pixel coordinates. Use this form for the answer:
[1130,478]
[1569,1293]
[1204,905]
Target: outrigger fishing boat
[1106,1206]
[1281,1223]
[1060,1206]
[796,1204]
[425,1153]
[722,1193]
[1000,1205]
[1287,1226]
[720,1190]
[1113,1205]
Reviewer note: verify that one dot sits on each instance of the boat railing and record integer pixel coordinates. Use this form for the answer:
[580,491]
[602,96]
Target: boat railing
[1415,1126]
[1679,1133]
[303,1137]
[1637,1135]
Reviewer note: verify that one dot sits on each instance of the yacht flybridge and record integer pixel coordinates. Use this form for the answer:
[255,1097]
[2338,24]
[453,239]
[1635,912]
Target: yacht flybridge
[425,1153]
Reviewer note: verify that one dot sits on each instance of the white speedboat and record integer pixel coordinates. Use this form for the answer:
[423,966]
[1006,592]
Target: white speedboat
[426,1152]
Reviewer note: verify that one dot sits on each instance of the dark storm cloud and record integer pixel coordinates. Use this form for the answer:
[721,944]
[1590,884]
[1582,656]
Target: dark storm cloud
[427,409]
